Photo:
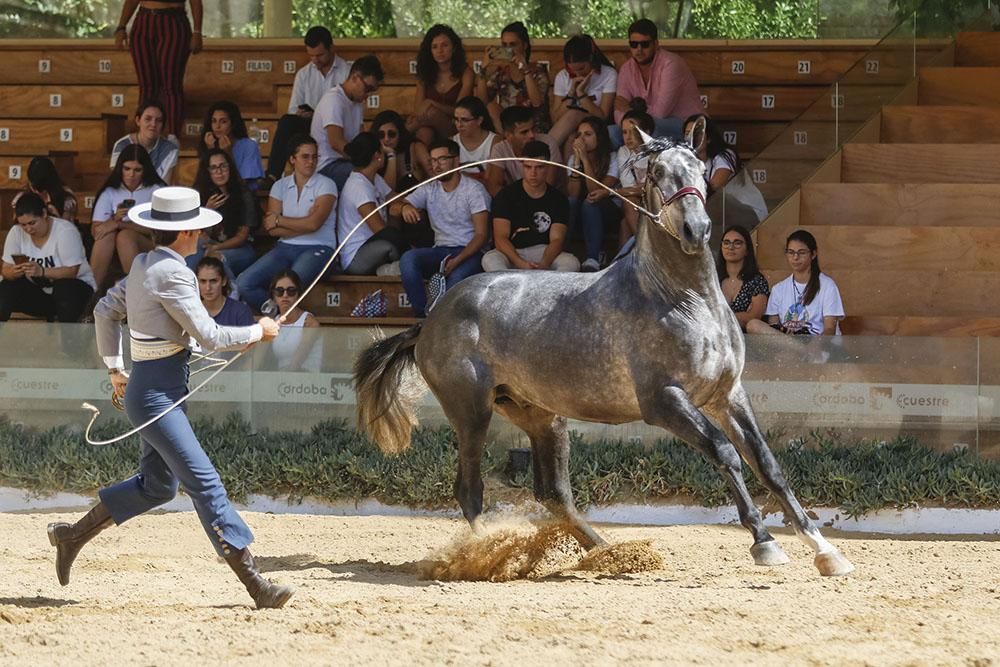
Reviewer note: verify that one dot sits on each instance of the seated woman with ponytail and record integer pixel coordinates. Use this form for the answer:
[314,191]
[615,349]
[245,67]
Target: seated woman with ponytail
[374,243]
[806,302]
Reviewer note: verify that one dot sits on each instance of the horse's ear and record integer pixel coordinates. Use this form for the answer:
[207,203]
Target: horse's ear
[645,138]
[696,135]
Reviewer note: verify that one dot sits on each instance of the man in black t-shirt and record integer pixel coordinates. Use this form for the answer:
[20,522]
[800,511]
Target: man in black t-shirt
[529,221]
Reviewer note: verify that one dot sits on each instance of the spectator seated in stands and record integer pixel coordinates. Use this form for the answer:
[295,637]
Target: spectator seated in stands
[591,206]
[443,78]
[806,302]
[530,220]
[475,137]
[324,71]
[44,181]
[374,243]
[44,267]
[458,208]
[223,127]
[221,189]
[302,215]
[586,87]
[338,117]
[149,119]
[744,287]
[724,170]
[632,171]
[401,170]
[659,77]
[518,130]
[298,346]
[132,181]
[214,288]
[510,79]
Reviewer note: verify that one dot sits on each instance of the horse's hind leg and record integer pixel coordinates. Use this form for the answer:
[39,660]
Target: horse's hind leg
[673,410]
[468,408]
[550,464]
[742,428]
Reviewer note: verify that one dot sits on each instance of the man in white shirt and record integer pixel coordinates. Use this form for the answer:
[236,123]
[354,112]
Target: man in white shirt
[458,208]
[324,71]
[339,117]
[44,268]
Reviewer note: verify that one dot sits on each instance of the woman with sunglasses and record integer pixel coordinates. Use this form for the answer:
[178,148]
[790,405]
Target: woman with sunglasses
[297,346]
[742,284]
[214,288]
[806,302]
[401,169]
[475,135]
[222,190]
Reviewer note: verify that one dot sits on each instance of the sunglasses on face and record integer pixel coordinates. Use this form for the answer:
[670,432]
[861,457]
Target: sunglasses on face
[641,44]
[282,291]
[387,134]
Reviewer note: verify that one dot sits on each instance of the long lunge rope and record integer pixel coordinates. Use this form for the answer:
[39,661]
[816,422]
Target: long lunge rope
[220,365]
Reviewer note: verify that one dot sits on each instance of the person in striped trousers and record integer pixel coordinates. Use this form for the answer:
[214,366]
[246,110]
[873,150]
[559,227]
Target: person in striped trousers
[160,43]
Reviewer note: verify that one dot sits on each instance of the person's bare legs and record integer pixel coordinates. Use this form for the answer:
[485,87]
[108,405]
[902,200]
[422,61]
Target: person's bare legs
[761,327]
[565,127]
[129,244]
[100,257]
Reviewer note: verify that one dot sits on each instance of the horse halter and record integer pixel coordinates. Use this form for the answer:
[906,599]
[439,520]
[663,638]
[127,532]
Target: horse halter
[685,191]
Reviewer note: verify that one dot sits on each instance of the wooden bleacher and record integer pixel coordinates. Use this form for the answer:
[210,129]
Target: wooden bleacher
[752,88]
[906,216]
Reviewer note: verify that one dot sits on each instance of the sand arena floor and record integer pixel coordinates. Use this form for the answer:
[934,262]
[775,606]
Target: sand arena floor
[152,593]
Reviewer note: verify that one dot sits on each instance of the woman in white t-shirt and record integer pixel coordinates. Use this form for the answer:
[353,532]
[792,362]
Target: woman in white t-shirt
[590,205]
[374,243]
[586,87]
[44,268]
[132,182]
[475,135]
[806,302]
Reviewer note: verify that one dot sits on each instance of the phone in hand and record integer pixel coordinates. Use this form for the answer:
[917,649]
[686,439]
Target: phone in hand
[126,204]
[20,259]
[502,53]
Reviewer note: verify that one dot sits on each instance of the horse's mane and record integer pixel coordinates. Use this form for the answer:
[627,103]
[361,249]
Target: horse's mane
[656,146]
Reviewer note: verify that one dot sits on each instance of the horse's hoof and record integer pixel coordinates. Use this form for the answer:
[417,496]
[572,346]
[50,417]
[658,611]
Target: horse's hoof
[833,564]
[769,553]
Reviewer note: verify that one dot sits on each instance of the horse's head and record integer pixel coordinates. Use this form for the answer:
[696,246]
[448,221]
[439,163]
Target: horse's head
[675,189]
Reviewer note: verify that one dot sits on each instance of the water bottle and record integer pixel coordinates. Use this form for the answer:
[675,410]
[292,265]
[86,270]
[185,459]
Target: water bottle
[253,131]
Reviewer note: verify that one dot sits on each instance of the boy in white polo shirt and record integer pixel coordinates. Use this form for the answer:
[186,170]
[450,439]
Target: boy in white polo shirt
[339,117]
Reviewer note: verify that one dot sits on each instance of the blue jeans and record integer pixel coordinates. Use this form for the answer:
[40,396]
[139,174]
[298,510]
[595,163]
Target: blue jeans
[172,457]
[592,219]
[305,260]
[420,263]
[663,127]
[339,170]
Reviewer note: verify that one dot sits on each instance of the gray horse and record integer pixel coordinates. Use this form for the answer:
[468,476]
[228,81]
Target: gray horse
[651,337]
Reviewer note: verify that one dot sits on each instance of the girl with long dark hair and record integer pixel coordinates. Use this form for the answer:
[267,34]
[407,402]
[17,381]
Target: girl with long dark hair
[223,127]
[222,190]
[744,287]
[132,182]
[807,301]
[475,135]
[402,168]
[588,202]
[509,78]
[443,78]
[586,87]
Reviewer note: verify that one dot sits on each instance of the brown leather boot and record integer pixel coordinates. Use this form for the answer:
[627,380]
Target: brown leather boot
[267,595]
[69,539]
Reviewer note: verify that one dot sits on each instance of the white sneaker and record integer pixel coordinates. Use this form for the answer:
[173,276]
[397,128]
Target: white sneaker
[590,265]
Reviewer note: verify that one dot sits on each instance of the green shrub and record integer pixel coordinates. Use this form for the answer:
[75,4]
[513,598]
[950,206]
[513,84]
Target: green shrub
[335,463]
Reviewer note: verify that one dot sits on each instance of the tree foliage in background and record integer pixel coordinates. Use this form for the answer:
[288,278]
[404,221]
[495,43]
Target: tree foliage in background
[345,18]
[939,17]
[55,18]
[754,19]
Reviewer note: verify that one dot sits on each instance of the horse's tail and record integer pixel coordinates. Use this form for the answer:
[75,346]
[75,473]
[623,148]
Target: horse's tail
[388,387]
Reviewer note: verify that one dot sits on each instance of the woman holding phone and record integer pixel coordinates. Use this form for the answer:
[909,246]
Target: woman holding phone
[132,182]
[509,78]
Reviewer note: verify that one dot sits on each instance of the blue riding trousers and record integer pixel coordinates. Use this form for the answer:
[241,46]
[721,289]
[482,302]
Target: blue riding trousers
[172,455]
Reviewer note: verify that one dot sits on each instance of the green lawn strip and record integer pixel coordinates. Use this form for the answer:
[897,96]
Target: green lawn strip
[335,463]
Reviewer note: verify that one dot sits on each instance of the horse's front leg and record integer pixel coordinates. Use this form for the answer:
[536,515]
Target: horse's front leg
[671,409]
[741,426]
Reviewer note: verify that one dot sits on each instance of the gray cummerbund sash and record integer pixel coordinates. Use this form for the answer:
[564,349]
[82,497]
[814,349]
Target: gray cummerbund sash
[150,350]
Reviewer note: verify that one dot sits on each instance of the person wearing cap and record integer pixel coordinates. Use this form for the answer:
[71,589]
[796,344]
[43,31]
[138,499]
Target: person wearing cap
[160,299]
